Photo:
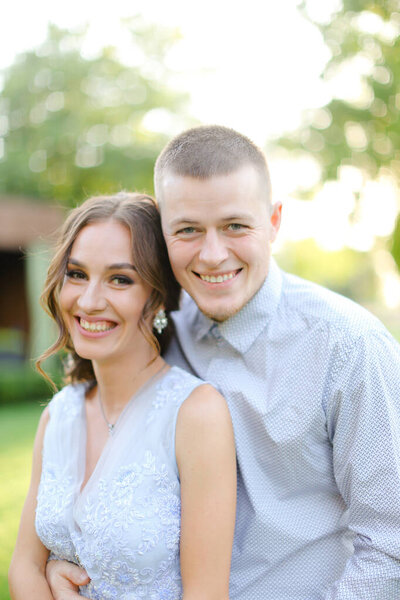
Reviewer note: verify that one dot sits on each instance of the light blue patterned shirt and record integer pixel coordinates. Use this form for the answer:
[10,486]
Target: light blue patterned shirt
[312,382]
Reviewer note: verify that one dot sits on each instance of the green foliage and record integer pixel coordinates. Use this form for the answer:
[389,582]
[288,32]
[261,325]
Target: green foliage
[73,126]
[396,244]
[364,132]
[21,381]
[345,271]
[17,429]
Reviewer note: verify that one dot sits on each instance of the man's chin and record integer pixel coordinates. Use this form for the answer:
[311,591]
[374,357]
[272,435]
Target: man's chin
[218,314]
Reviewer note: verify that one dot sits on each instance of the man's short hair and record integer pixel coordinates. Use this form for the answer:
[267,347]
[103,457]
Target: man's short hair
[209,151]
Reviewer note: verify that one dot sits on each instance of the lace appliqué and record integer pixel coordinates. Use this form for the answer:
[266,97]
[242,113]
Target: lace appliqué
[56,492]
[54,502]
[134,516]
[169,392]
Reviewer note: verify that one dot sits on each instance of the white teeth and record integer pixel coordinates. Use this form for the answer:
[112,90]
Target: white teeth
[219,278]
[98,326]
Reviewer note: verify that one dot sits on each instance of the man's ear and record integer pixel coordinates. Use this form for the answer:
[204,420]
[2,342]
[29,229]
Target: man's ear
[275,219]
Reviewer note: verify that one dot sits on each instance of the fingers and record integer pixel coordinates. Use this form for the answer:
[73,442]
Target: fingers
[64,578]
[68,595]
[77,575]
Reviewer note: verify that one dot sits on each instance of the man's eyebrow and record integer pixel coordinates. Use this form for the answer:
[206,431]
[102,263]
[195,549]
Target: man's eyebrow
[181,220]
[235,217]
[238,217]
[122,265]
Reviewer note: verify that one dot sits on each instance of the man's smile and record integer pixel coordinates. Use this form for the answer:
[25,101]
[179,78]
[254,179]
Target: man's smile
[218,277]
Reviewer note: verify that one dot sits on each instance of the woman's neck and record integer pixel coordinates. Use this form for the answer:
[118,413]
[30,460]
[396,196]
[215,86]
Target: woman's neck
[117,383]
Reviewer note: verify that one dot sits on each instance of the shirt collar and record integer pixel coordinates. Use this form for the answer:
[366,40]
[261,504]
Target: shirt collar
[243,328]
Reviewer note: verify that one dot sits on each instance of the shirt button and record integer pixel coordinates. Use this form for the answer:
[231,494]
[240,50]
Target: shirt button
[216,332]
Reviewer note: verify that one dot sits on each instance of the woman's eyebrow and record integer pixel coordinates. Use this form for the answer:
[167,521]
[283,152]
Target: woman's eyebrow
[73,261]
[122,265]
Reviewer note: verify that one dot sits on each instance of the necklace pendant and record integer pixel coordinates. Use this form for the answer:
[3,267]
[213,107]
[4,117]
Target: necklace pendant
[111,428]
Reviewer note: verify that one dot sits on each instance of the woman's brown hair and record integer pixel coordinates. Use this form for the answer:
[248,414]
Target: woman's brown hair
[140,215]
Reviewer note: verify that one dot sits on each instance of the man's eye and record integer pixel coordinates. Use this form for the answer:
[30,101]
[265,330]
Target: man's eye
[236,227]
[75,274]
[186,230]
[121,280]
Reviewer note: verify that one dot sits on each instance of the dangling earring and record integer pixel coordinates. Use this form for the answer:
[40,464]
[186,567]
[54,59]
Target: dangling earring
[160,321]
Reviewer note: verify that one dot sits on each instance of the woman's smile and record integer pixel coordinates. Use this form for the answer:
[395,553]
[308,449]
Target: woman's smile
[96,327]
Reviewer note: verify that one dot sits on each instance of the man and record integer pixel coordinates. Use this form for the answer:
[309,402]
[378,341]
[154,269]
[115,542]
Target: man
[311,380]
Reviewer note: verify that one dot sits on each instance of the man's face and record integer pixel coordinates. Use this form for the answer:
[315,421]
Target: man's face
[218,233]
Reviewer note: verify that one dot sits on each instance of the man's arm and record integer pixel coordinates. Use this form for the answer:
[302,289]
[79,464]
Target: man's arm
[364,426]
[64,579]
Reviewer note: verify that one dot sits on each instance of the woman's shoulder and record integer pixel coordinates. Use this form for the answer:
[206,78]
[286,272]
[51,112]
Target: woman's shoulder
[204,429]
[205,406]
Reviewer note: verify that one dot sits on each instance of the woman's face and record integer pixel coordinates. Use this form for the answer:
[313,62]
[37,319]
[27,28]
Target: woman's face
[102,296]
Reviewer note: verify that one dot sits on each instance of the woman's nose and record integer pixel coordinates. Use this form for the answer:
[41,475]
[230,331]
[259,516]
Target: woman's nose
[92,298]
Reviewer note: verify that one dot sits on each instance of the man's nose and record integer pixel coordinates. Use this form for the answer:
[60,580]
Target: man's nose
[92,298]
[213,250]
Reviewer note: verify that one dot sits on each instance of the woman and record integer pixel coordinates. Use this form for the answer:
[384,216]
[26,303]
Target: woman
[134,465]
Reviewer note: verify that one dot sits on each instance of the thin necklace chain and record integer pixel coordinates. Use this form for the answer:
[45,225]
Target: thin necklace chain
[111,426]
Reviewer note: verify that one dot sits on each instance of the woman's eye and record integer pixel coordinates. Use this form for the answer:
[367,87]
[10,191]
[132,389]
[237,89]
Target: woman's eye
[75,274]
[121,280]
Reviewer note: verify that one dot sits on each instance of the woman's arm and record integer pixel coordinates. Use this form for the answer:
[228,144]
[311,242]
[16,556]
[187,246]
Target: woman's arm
[206,460]
[26,575]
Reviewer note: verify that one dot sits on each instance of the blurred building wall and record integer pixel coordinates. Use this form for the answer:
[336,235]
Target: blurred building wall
[27,229]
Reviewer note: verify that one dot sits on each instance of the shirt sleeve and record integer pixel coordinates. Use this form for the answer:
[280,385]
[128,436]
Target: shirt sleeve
[363,419]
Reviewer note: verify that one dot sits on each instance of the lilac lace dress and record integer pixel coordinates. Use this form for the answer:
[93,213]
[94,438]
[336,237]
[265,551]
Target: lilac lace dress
[124,526]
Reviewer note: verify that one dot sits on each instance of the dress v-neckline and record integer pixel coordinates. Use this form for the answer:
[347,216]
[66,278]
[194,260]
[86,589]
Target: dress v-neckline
[82,449]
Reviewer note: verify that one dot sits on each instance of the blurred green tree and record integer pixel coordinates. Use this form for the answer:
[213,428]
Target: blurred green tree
[359,127]
[72,126]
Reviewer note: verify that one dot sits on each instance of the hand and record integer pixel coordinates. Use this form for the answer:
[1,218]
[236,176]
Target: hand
[64,579]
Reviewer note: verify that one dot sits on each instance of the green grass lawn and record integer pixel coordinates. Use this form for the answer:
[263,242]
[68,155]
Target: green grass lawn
[17,431]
